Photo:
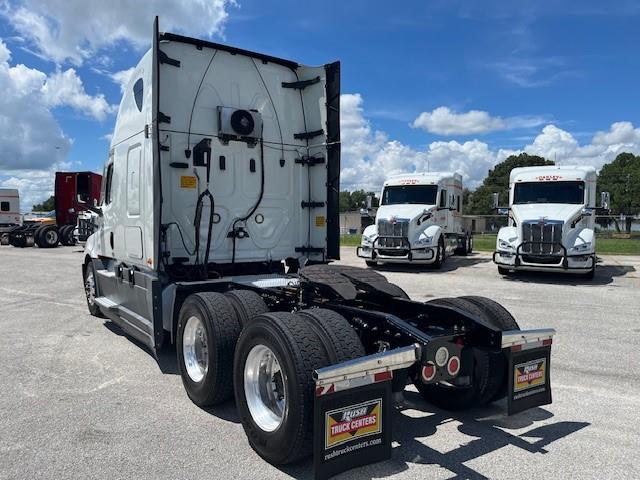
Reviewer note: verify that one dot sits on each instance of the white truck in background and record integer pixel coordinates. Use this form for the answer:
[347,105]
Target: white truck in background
[419,221]
[9,212]
[551,224]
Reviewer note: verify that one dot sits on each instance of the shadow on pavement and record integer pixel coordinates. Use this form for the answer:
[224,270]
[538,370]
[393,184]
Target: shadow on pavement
[488,425]
[450,264]
[166,357]
[604,276]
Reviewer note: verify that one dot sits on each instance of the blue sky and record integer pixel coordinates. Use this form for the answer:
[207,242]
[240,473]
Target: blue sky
[438,84]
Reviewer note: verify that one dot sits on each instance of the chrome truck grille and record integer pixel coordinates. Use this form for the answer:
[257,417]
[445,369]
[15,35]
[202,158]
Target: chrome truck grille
[392,233]
[545,237]
[86,228]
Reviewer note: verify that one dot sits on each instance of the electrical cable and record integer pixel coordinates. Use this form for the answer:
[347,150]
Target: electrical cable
[197,222]
[255,206]
[181,237]
[262,172]
[273,105]
[187,152]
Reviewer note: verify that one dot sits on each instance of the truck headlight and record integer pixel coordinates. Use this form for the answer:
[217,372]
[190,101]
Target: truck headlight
[367,241]
[582,247]
[424,240]
[504,245]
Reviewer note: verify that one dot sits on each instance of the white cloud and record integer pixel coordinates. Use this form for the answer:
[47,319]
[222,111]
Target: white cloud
[557,144]
[122,77]
[533,72]
[619,133]
[74,30]
[30,137]
[444,121]
[31,141]
[5,54]
[369,156]
[34,186]
[66,88]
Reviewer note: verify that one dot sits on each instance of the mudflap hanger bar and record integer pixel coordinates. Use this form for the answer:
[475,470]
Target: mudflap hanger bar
[527,338]
[388,361]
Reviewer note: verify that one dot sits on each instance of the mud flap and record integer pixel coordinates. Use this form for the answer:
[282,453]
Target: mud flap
[352,424]
[529,380]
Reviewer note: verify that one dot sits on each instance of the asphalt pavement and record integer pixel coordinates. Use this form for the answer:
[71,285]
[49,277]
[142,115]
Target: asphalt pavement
[79,399]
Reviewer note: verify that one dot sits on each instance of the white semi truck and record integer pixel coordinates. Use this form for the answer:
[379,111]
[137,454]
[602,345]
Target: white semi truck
[419,221]
[218,218]
[551,224]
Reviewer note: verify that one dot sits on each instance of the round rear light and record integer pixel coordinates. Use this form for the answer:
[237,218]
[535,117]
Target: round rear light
[428,372]
[453,367]
[442,355]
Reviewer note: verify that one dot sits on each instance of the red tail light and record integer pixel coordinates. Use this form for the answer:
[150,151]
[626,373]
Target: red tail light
[453,366]
[428,372]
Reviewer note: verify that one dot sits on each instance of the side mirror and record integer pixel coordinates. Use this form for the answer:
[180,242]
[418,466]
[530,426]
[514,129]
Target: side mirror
[369,201]
[495,199]
[80,200]
[92,208]
[587,212]
[503,211]
[604,200]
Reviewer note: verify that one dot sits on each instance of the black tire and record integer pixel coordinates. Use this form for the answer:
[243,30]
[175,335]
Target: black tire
[36,235]
[487,374]
[339,338]
[441,255]
[66,236]
[470,245]
[247,304]
[500,318]
[371,263]
[299,352]
[504,271]
[62,231]
[497,315]
[222,329]
[90,290]
[49,236]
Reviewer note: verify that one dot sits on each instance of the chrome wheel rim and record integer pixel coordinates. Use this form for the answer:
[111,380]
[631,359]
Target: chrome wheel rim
[51,237]
[90,287]
[265,388]
[195,349]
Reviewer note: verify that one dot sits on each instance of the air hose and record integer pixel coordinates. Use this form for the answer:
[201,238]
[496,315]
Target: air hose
[205,146]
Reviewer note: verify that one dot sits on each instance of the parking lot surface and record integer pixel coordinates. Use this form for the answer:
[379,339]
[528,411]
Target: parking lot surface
[78,399]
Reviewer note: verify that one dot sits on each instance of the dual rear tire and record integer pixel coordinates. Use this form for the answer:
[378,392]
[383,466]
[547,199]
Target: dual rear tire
[47,236]
[487,378]
[230,345]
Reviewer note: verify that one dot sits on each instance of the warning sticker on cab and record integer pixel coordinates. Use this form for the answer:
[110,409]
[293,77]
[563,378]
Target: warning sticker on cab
[353,422]
[320,221]
[529,374]
[188,181]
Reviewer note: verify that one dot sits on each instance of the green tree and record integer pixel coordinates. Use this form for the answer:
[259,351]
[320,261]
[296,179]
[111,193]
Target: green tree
[621,178]
[46,206]
[497,180]
[345,201]
[351,201]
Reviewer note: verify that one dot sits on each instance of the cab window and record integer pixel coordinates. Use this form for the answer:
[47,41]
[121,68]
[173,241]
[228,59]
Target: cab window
[108,184]
[443,199]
